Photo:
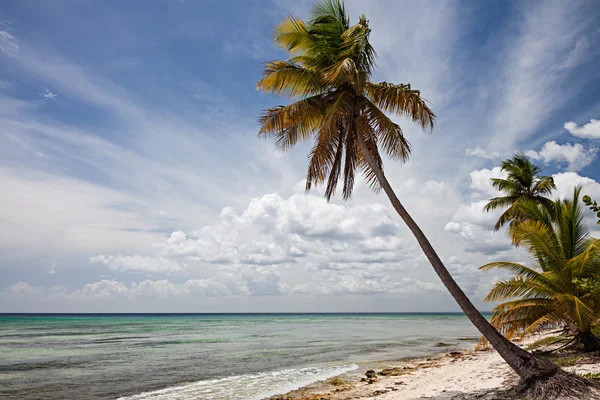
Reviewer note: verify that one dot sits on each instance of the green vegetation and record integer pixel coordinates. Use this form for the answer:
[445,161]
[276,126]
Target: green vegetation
[591,375]
[524,184]
[593,205]
[562,286]
[442,344]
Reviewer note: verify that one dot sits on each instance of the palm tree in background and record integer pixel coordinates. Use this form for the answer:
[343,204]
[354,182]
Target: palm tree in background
[523,184]
[562,288]
[343,112]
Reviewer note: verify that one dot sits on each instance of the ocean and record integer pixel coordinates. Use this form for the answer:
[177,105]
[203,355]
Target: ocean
[205,356]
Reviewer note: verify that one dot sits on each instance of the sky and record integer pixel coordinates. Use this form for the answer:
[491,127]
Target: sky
[132,178]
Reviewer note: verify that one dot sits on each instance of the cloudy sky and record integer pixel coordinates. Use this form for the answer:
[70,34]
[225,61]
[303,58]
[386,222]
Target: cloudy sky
[132,179]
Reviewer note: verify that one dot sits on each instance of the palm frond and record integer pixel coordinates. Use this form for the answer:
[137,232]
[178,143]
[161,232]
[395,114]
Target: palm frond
[401,99]
[323,154]
[388,134]
[356,46]
[506,185]
[290,78]
[544,185]
[292,35]
[580,314]
[295,122]
[540,241]
[331,9]
[363,128]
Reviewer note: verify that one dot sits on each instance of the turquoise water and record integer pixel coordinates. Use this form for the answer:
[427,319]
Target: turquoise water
[203,356]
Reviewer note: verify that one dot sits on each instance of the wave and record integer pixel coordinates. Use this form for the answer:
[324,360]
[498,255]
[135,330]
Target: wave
[247,387]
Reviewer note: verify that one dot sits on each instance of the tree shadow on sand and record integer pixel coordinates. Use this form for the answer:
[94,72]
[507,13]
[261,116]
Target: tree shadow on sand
[495,394]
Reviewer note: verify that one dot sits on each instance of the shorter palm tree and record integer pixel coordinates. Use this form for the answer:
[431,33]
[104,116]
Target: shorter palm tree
[524,183]
[563,287]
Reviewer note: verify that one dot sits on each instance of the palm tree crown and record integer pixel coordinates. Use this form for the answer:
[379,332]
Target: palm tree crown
[329,72]
[523,184]
[562,286]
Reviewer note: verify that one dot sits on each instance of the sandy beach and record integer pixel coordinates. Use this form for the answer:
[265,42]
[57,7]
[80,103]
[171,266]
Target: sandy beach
[466,375]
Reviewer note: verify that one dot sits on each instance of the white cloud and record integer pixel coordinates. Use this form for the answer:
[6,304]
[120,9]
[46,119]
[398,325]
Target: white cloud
[566,181]
[365,283]
[575,156]
[22,289]
[479,152]
[475,226]
[260,282]
[479,239]
[103,288]
[48,95]
[275,240]
[8,44]
[591,130]
[273,230]
[138,263]
[481,180]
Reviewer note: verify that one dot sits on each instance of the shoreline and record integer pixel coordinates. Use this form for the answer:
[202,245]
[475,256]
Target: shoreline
[453,375]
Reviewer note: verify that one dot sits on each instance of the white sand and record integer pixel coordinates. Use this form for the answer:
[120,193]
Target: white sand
[468,376]
[465,377]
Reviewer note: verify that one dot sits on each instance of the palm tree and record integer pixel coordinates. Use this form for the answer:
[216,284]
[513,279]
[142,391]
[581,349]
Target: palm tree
[563,287]
[523,184]
[328,73]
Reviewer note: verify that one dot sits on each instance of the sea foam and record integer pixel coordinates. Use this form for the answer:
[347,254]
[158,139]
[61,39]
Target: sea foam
[247,387]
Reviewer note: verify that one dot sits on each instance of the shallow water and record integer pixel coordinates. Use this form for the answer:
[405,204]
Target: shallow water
[203,356]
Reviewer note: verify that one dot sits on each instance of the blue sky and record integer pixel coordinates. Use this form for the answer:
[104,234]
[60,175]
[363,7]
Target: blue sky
[133,179]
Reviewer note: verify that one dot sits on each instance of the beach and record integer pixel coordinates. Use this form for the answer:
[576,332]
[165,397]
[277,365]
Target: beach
[466,375]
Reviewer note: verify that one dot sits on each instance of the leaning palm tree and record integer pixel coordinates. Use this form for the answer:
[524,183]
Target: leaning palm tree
[343,111]
[523,184]
[562,288]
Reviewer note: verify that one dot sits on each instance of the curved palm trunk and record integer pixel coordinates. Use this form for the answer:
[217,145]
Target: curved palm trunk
[523,363]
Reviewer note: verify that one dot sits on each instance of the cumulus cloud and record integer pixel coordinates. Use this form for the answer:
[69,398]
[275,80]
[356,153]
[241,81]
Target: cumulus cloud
[262,282]
[335,245]
[481,180]
[479,239]
[476,228]
[365,283]
[566,181]
[575,156]
[591,130]
[277,231]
